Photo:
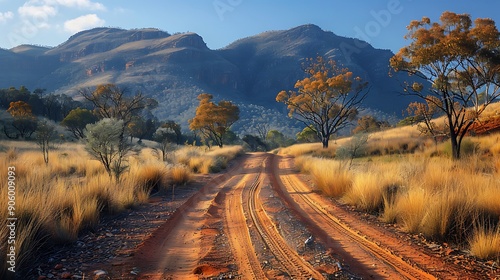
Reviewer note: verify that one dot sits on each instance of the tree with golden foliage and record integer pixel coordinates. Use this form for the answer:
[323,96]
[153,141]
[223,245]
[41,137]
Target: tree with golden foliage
[328,99]
[24,122]
[214,120]
[461,61]
[106,138]
[111,101]
[20,109]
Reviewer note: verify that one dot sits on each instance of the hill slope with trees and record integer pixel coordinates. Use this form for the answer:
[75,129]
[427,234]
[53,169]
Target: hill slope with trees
[174,69]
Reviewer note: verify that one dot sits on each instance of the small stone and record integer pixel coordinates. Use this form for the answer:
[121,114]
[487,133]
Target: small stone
[100,272]
[50,275]
[66,275]
[58,266]
[109,234]
[42,277]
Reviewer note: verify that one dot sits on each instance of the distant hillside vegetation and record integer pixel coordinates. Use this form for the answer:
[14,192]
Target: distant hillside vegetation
[174,69]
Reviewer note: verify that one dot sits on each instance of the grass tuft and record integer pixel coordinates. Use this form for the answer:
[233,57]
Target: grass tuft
[367,192]
[331,177]
[485,243]
[151,177]
[180,175]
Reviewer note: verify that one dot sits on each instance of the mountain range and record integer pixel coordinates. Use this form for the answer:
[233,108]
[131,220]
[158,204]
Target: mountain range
[175,68]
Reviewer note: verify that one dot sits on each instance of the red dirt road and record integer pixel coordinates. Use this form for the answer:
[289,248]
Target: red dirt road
[227,230]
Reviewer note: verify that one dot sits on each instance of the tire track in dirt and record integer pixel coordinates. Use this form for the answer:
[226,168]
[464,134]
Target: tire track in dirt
[293,264]
[244,210]
[369,251]
[239,236]
[184,247]
[174,249]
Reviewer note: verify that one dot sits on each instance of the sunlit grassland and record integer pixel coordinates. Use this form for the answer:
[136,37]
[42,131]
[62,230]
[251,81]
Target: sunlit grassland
[201,160]
[392,141]
[56,202]
[420,189]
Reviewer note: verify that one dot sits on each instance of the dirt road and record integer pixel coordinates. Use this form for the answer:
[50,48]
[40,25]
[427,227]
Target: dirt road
[230,230]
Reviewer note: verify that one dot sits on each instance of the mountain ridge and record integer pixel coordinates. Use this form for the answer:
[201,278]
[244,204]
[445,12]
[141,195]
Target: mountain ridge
[175,68]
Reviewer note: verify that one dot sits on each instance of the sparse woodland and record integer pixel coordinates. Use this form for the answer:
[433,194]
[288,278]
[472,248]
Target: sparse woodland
[437,174]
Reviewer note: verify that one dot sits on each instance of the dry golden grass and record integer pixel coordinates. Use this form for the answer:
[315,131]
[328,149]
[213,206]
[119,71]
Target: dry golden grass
[332,182]
[485,244]
[487,198]
[314,149]
[180,175]
[424,191]
[495,148]
[201,160]
[492,110]
[195,158]
[368,192]
[329,176]
[399,140]
[150,176]
[304,163]
[301,149]
[201,164]
[25,243]
[59,200]
[410,208]
[443,198]
[448,215]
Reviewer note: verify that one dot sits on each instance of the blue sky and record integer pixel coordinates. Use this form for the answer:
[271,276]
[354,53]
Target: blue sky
[382,23]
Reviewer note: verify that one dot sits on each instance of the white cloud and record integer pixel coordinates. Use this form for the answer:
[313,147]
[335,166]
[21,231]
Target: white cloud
[6,16]
[82,23]
[82,4]
[38,12]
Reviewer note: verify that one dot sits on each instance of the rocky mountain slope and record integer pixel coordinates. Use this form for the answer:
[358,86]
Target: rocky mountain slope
[174,69]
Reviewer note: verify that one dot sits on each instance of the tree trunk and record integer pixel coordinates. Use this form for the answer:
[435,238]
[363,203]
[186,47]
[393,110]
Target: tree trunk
[324,141]
[45,151]
[455,147]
